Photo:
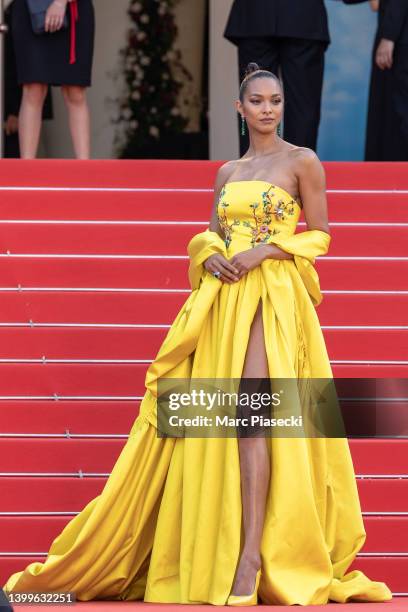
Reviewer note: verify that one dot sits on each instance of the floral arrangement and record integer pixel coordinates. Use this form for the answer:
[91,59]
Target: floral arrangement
[154,75]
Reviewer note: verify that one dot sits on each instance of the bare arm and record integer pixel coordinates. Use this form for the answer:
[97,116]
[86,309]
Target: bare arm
[312,190]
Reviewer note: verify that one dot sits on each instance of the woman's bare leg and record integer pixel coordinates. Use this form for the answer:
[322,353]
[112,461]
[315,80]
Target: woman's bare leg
[255,470]
[30,118]
[79,120]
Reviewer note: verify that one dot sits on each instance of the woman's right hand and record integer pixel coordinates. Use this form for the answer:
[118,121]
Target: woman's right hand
[218,263]
[54,16]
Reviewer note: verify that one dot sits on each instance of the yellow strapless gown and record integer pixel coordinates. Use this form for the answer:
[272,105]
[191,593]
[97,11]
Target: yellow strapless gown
[167,526]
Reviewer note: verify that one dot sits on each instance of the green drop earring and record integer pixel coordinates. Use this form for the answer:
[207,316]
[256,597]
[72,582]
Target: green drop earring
[279,130]
[242,125]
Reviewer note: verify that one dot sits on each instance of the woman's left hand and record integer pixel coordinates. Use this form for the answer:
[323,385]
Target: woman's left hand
[248,260]
[54,16]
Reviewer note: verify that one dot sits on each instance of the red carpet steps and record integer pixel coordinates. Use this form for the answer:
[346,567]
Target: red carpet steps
[93,269]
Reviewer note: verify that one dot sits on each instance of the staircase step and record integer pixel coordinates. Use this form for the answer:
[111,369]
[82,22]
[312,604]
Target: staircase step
[160,308]
[371,370]
[185,174]
[386,418]
[144,343]
[169,273]
[89,380]
[384,534]
[78,417]
[64,493]
[183,206]
[108,173]
[391,570]
[98,455]
[173,239]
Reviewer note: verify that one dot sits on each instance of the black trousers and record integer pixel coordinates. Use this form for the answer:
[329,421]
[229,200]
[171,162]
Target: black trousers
[302,64]
[387,119]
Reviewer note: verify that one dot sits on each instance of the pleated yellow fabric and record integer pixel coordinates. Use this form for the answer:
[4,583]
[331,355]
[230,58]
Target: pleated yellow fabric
[167,527]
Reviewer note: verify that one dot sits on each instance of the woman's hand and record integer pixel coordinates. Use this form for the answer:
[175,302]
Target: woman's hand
[384,53]
[11,125]
[218,263]
[241,263]
[248,260]
[54,16]
[375,5]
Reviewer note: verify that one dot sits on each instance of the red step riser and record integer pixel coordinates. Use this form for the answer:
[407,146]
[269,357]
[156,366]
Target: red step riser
[386,534]
[63,455]
[104,416]
[363,309]
[177,173]
[173,240]
[382,495]
[392,571]
[125,380]
[144,343]
[97,417]
[113,173]
[161,308]
[35,534]
[80,343]
[370,371]
[177,206]
[53,494]
[377,344]
[172,273]
[72,380]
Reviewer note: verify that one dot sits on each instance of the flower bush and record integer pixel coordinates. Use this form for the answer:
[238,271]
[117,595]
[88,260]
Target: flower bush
[154,76]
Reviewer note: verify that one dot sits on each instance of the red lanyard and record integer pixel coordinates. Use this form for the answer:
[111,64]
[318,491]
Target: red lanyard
[73,5]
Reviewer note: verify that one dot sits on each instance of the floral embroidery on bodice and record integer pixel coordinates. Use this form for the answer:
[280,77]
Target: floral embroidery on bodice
[253,211]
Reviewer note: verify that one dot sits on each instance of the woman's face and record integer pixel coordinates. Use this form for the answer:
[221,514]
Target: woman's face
[263,105]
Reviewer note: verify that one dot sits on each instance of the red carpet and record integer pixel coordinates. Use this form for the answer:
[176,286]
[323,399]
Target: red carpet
[93,269]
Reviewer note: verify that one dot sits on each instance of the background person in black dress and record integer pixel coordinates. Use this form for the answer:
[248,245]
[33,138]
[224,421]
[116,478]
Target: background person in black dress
[387,119]
[12,96]
[292,35]
[51,59]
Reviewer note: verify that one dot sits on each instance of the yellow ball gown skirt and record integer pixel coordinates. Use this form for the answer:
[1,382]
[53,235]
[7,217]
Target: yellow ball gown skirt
[167,527]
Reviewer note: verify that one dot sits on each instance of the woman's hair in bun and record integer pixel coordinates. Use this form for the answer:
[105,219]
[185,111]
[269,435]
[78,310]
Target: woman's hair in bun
[253,71]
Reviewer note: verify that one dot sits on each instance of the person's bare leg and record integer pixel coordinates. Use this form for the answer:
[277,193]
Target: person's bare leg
[30,118]
[255,470]
[79,119]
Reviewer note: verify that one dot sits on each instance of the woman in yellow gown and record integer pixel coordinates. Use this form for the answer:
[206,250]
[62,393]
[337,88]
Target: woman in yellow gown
[193,520]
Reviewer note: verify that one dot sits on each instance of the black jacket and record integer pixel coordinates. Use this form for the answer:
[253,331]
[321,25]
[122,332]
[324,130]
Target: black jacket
[392,19]
[283,18]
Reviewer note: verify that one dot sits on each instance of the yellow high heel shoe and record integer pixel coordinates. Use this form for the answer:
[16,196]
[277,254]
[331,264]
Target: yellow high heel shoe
[246,600]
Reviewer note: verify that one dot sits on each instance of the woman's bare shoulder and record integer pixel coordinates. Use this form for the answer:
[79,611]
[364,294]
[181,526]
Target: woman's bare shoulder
[303,157]
[307,168]
[225,171]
